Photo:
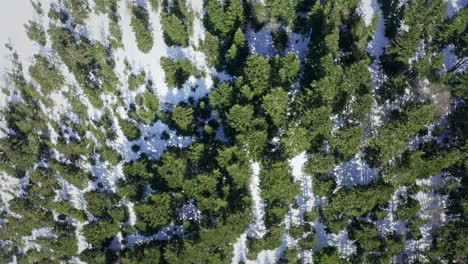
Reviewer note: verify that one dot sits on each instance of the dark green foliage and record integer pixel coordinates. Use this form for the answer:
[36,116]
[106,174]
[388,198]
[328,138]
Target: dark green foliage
[36,33]
[346,142]
[79,10]
[259,111]
[211,47]
[257,73]
[177,22]
[136,80]
[214,244]
[172,170]
[270,241]
[72,173]
[236,164]
[393,137]
[278,190]
[155,212]
[288,68]
[323,184]
[357,201]
[105,205]
[178,71]
[319,164]
[366,236]
[141,169]
[142,254]
[20,151]
[204,190]
[251,131]
[65,208]
[184,118]
[282,10]
[129,129]
[328,255]
[408,209]
[290,256]
[223,96]
[46,74]
[142,28]
[450,242]
[275,104]
[100,233]
[308,242]
[224,19]
[82,57]
[150,101]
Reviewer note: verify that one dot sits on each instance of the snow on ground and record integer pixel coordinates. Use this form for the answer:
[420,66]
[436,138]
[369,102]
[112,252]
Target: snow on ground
[10,187]
[28,241]
[72,193]
[298,44]
[272,256]
[97,27]
[82,244]
[151,143]
[260,42]
[455,5]
[165,233]
[132,218]
[257,227]
[451,59]
[341,240]
[107,177]
[150,62]
[306,200]
[390,223]
[240,249]
[367,10]
[13,32]
[116,243]
[433,208]
[355,172]
[376,48]
[190,212]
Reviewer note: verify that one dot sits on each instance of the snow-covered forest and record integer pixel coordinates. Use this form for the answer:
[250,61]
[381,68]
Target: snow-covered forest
[233,131]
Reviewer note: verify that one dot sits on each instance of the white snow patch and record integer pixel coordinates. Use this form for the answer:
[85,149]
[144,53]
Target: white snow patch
[240,249]
[260,42]
[82,244]
[341,240]
[97,27]
[72,193]
[355,172]
[13,15]
[367,10]
[306,200]
[257,228]
[455,6]
[190,212]
[165,233]
[298,44]
[10,187]
[390,223]
[451,59]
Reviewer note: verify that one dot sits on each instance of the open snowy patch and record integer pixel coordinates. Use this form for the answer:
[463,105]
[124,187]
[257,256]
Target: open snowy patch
[260,42]
[455,5]
[341,240]
[367,10]
[257,227]
[355,172]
